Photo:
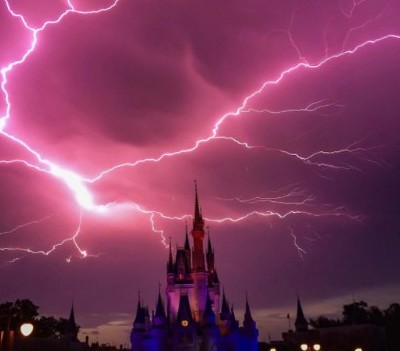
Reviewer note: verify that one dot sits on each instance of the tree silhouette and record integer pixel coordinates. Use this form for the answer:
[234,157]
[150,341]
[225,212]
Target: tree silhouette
[13,314]
[358,312]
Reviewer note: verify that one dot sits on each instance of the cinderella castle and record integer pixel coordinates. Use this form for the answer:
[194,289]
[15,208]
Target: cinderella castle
[196,317]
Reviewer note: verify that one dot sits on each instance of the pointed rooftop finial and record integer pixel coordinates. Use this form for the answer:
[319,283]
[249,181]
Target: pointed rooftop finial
[72,314]
[160,316]
[225,311]
[71,327]
[248,322]
[140,316]
[197,212]
[248,313]
[170,265]
[209,247]
[187,245]
[301,323]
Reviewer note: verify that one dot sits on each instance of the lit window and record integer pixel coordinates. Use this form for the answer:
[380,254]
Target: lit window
[304,347]
[317,347]
[273,349]
[185,323]
[358,349]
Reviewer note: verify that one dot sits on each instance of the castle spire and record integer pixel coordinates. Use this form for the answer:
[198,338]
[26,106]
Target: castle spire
[234,322]
[301,322]
[170,265]
[210,254]
[187,246]
[248,322]
[140,315]
[197,213]
[209,315]
[209,247]
[184,316]
[198,234]
[225,312]
[160,318]
[187,250]
[72,328]
[72,315]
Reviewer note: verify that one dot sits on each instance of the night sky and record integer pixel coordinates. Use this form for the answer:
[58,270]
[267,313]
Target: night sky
[285,112]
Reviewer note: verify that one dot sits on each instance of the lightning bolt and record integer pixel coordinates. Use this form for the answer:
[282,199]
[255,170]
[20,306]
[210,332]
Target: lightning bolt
[280,200]
[299,249]
[72,239]
[78,184]
[355,4]
[361,26]
[21,226]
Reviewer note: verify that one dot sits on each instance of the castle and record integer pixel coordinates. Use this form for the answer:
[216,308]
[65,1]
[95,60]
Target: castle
[195,318]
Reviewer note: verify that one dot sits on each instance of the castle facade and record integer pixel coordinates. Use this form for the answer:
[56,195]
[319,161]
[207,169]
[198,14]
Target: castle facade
[196,317]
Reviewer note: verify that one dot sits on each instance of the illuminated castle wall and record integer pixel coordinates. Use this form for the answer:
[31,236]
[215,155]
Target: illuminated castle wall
[194,319]
[189,274]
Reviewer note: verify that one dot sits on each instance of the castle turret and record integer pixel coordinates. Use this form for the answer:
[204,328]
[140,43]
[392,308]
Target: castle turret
[225,316]
[187,250]
[170,264]
[72,328]
[160,318]
[210,255]
[234,322]
[139,329]
[184,317]
[210,329]
[198,236]
[301,323]
[209,315]
[159,329]
[225,312]
[248,322]
[140,319]
[249,332]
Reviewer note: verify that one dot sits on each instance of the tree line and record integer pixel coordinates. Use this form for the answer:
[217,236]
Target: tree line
[358,312]
[13,314]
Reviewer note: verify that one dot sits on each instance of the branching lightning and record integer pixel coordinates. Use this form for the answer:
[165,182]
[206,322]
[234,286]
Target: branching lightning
[299,249]
[296,201]
[21,226]
[71,239]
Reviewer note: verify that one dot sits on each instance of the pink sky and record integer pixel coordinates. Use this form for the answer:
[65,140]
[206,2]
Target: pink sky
[307,170]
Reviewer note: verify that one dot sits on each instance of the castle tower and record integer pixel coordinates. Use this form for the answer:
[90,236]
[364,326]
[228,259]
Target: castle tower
[193,320]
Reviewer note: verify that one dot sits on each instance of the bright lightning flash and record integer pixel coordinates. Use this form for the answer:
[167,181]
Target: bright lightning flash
[295,200]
